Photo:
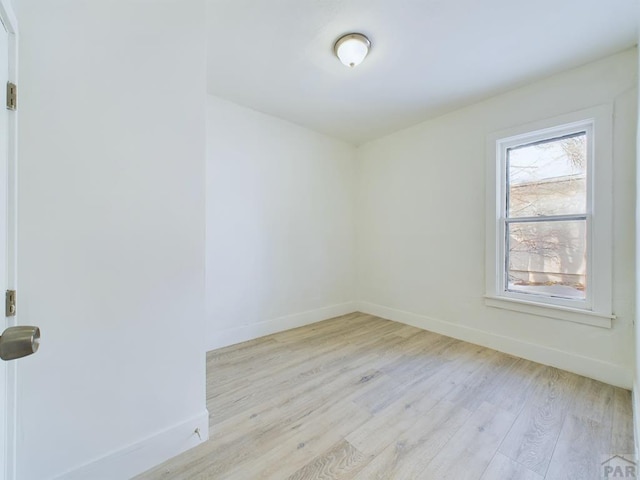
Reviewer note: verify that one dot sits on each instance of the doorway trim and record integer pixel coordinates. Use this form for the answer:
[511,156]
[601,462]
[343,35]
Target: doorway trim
[10,21]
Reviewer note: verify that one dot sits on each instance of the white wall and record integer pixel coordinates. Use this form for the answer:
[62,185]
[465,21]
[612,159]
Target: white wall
[280,225]
[421,231]
[111,234]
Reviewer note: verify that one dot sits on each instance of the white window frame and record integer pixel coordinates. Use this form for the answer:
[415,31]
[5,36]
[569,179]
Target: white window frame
[596,309]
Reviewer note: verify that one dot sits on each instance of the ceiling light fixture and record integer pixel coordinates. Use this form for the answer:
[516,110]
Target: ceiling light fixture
[352,48]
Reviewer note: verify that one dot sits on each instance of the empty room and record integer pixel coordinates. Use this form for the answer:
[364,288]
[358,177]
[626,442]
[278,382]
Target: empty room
[303,239]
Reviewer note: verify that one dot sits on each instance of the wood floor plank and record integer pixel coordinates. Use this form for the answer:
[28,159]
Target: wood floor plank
[416,400]
[459,367]
[472,448]
[533,437]
[307,440]
[593,400]
[298,370]
[402,416]
[411,450]
[477,388]
[582,445]
[622,423]
[516,386]
[341,460]
[502,467]
[407,331]
[360,397]
[245,437]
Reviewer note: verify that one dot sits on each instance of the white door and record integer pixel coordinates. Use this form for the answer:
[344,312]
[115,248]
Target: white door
[8,169]
[4,155]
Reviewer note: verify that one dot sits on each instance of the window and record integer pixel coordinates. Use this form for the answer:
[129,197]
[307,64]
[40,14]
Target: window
[549,218]
[544,215]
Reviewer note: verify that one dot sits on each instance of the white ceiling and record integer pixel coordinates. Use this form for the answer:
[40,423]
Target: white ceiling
[427,56]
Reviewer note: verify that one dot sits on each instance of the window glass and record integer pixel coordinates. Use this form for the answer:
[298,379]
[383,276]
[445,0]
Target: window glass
[548,177]
[547,258]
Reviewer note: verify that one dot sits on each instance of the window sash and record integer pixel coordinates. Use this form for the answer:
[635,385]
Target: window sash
[574,302]
[533,138]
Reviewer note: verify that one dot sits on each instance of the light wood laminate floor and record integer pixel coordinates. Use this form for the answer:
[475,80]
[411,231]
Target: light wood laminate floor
[358,397]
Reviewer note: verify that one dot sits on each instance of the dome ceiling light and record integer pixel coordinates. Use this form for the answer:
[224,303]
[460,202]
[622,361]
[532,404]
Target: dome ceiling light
[352,48]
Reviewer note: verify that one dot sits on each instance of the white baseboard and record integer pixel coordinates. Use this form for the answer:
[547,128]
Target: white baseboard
[224,338]
[603,371]
[142,455]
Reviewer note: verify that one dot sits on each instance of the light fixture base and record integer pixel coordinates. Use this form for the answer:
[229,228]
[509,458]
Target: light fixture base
[352,48]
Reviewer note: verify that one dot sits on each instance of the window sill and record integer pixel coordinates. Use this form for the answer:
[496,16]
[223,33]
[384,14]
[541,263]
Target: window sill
[551,311]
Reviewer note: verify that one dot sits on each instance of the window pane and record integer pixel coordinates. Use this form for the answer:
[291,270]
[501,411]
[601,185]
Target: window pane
[547,258]
[548,177]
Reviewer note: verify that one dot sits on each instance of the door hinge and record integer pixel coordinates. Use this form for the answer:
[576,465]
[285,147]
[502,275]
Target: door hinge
[12,96]
[10,303]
